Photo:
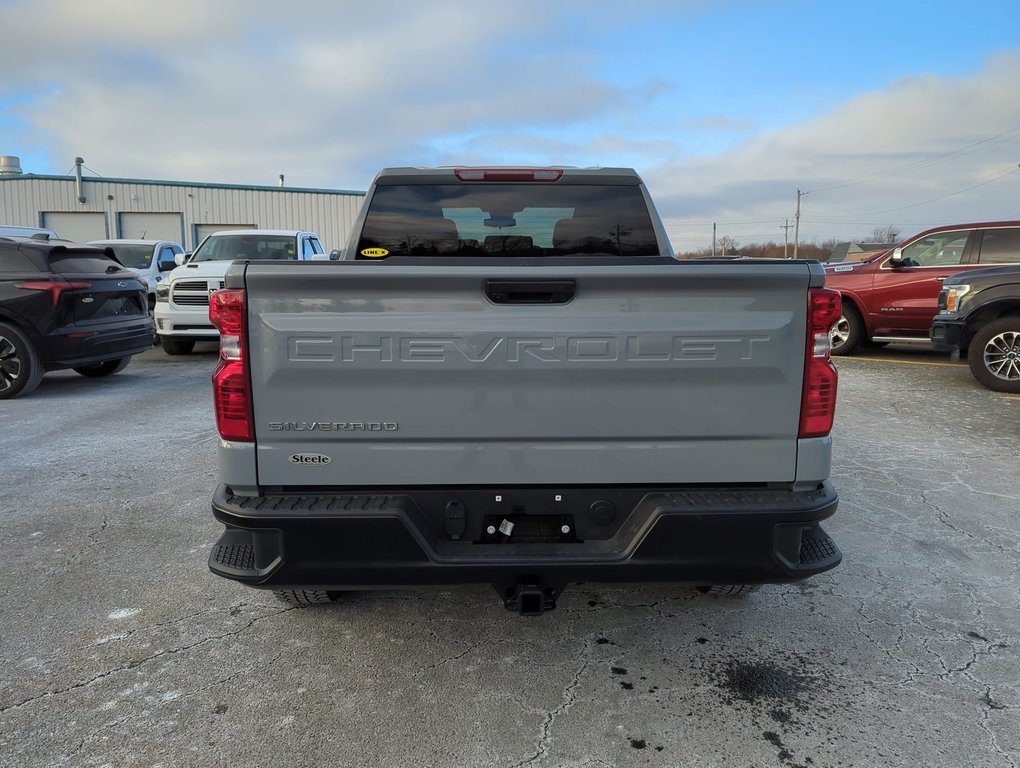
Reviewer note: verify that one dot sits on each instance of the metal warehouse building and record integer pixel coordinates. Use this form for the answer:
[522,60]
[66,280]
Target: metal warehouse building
[83,208]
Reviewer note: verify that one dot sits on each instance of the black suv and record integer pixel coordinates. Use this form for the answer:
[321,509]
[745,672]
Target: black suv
[64,305]
[979,311]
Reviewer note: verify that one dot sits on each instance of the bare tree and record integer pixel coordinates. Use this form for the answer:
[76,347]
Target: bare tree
[728,246]
[886,234]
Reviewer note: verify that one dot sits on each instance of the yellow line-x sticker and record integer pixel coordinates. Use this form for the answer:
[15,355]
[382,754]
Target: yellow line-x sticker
[374,253]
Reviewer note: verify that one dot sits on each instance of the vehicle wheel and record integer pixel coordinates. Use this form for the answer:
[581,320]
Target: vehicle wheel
[174,346]
[108,368]
[848,332]
[304,596]
[20,367]
[994,355]
[729,590]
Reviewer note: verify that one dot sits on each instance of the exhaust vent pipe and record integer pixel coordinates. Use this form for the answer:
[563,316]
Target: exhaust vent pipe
[10,165]
[78,163]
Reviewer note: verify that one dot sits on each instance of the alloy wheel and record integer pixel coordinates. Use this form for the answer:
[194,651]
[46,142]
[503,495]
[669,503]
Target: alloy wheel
[10,364]
[840,332]
[1002,356]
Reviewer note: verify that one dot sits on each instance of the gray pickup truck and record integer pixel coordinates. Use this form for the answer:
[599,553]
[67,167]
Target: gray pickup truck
[508,379]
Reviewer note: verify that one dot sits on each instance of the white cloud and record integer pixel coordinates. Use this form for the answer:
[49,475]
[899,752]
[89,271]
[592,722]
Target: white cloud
[874,160]
[326,103]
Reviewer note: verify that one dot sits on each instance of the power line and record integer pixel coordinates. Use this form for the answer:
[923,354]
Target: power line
[707,222]
[691,229]
[952,191]
[965,150]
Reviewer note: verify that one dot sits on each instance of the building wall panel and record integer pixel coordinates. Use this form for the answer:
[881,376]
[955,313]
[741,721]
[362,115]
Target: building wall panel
[151,226]
[24,199]
[80,226]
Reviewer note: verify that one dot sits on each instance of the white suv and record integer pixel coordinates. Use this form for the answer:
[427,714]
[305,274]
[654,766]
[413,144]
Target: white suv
[182,299]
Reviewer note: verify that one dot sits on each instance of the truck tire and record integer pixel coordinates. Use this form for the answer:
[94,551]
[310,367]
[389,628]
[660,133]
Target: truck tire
[994,355]
[108,368]
[303,596]
[729,590]
[20,367]
[848,333]
[174,346]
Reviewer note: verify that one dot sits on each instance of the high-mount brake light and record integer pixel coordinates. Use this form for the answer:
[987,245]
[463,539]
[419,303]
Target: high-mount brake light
[55,287]
[818,398]
[231,379]
[508,174]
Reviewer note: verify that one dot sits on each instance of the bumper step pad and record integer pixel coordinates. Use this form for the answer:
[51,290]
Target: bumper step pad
[818,549]
[238,557]
[246,554]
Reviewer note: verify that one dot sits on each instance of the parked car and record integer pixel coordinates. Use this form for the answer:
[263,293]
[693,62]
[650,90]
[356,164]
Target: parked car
[182,298]
[894,295]
[979,312]
[64,305]
[41,233]
[149,258]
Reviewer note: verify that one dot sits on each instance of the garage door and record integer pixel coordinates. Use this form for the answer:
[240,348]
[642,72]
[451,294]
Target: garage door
[152,226]
[201,230]
[80,227]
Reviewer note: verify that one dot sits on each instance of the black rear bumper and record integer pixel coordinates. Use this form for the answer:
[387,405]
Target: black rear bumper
[355,541]
[78,345]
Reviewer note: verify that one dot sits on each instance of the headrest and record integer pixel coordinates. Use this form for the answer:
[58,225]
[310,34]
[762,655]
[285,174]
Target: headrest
[505,243]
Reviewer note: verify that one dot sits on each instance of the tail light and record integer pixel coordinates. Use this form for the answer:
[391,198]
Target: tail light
[55,287]
[231,379]
[818,399]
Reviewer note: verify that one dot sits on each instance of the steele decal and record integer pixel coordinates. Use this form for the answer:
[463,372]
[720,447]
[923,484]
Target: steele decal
[310,458]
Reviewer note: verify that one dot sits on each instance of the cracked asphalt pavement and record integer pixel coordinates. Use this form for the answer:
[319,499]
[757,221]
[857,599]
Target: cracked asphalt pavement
[119,648]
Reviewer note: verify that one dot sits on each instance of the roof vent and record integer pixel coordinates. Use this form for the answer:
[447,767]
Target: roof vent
[10,165]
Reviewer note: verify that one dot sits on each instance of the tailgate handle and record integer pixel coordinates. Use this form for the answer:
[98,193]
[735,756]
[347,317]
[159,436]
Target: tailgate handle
[530,291]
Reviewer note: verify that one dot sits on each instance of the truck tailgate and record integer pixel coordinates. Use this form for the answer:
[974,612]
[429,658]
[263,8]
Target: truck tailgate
[395,375]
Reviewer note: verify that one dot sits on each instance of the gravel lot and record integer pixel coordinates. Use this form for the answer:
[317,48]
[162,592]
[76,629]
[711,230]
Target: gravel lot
[119,648]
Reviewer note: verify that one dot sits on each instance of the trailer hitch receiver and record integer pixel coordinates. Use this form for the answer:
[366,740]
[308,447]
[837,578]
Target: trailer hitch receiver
[529,599]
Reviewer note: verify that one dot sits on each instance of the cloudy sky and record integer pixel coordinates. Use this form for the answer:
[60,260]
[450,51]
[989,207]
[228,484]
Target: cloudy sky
[884,113]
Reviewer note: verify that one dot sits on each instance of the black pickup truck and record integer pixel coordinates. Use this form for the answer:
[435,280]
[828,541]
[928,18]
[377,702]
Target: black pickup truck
[979,313]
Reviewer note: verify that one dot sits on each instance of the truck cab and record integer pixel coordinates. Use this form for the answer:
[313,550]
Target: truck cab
[182,299]
[893,296]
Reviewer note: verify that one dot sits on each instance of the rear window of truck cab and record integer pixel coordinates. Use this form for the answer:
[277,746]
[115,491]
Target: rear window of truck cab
[254,246]
[527,219]
[130,255]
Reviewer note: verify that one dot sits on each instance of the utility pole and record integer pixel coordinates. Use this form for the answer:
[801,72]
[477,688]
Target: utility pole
[796,225]
[713,239]
[786,237]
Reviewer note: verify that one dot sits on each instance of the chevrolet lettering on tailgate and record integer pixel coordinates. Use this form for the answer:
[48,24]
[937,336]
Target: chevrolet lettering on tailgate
[516,349]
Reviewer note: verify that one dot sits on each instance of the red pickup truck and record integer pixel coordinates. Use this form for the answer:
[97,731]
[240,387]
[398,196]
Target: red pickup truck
[894,295]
